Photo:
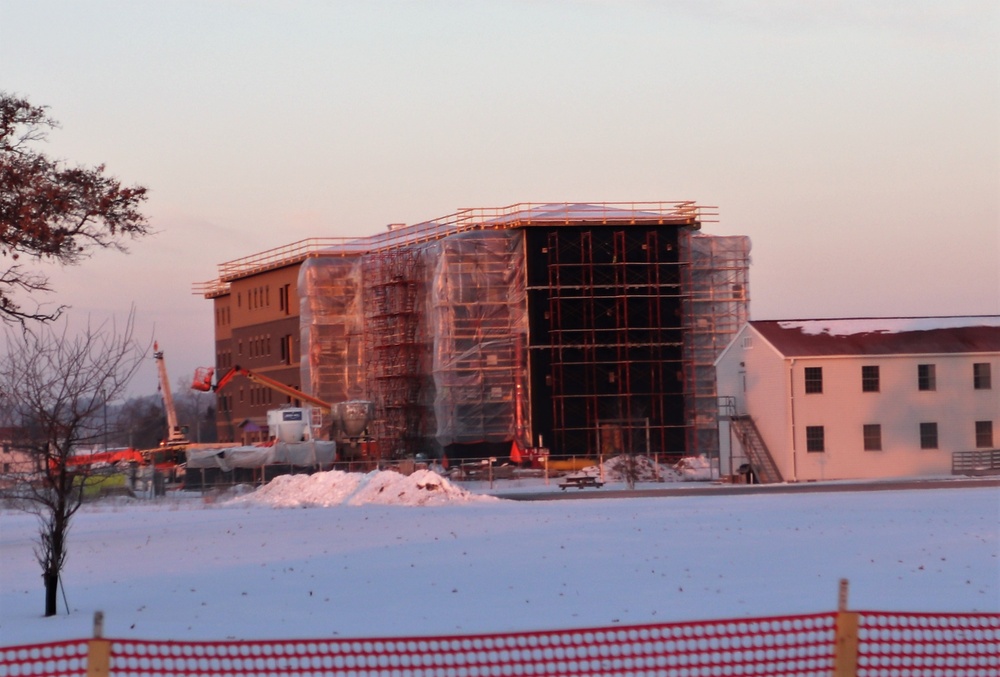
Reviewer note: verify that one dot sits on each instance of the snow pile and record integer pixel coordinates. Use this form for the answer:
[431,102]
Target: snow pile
[335,487]
[693,468]
[645,469]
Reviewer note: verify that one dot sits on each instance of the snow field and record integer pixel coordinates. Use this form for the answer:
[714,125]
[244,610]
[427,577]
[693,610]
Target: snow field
[390,558]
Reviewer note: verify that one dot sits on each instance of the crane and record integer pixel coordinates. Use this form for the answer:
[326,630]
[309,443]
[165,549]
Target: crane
[349,419]
[203,382]
[176,434]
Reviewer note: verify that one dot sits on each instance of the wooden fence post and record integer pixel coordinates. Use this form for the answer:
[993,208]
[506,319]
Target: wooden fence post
[98,650]
[845,656]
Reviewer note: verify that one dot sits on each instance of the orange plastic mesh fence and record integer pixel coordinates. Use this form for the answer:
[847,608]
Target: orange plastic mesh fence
[57,659]
[889,644]
[928,644]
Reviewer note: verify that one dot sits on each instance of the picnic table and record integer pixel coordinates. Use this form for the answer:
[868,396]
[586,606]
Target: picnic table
[580,482]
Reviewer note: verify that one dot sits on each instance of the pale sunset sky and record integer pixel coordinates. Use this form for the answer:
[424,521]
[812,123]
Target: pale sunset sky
[857,142]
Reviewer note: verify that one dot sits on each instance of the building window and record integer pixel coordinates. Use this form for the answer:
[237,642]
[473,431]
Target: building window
[815,438]
[814,380]
[984,434]
[928,436]
[869,379]
[981,377]
[926,378]
[873,437]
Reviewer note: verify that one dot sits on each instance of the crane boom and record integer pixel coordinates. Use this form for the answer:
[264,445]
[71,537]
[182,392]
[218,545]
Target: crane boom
[206,384]
[175,433]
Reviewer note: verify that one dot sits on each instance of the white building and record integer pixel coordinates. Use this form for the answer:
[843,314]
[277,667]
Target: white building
[861,398]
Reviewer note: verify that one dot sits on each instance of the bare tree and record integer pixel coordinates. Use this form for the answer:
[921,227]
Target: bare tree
[139,422]
[56,387]
[50,211]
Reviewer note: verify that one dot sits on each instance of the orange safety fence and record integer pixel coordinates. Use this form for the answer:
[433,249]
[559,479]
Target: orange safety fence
[878,643]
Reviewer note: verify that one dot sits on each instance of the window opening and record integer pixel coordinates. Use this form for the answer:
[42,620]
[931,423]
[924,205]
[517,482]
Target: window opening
[814,379]
[926,377]
[815,438]
[928,436]
[984,434]
[981,376]
[870,379]
[873,437]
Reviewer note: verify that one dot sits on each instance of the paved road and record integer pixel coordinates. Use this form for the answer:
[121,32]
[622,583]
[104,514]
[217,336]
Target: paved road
[704,489]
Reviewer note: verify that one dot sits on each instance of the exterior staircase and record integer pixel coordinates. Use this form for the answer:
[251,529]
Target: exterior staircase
[756,450]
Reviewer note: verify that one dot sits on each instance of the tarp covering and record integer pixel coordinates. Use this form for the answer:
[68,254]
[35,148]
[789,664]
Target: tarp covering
[305,454]
[230,457]
[478,325]
[330,294]
[434,336]
[301,454]
[715,308]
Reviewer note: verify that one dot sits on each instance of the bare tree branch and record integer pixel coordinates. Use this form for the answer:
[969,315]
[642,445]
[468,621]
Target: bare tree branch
[54,387]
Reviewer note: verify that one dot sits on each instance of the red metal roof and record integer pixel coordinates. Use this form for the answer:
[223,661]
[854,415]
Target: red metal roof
[882,336]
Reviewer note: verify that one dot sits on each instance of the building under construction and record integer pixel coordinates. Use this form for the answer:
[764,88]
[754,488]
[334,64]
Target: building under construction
[586,329]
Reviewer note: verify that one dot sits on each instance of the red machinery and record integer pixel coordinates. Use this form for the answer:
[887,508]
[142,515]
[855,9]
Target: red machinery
[349,419]
[203,382]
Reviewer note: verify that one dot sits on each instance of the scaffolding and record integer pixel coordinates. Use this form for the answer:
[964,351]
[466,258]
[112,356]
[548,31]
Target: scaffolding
[716,305]
[479,326]
[610,358]
[396,349]
[594,327]
[330,328]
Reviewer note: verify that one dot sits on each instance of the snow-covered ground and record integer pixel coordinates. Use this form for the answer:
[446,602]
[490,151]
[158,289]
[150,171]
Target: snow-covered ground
[383,555]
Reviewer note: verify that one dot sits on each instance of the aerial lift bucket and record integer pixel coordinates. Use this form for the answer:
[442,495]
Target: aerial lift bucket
[203,379]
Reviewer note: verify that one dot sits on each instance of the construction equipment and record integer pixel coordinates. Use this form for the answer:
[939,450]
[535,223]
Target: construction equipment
[203,382]
[349,419]
[176,434]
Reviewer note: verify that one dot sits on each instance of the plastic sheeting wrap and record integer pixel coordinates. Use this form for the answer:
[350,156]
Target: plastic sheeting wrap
[331,328]
[305,454]
[301,454]
[478,325]
[716,307]
[230,457]
[468,313]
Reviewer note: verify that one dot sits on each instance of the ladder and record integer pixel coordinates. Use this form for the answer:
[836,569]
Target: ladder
[760,458]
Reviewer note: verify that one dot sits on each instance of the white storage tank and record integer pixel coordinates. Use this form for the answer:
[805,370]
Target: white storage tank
[289,425]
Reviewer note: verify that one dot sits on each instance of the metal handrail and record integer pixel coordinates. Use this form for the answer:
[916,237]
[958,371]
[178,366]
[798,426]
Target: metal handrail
[511,216]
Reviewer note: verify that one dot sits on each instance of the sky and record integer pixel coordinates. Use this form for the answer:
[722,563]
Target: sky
[856,143]
[378,557]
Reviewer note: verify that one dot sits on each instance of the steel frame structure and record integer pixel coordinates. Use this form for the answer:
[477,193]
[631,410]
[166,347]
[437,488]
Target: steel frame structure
[625,308]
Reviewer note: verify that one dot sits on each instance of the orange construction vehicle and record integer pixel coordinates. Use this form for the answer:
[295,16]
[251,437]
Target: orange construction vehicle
[203,382]
[349,419]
